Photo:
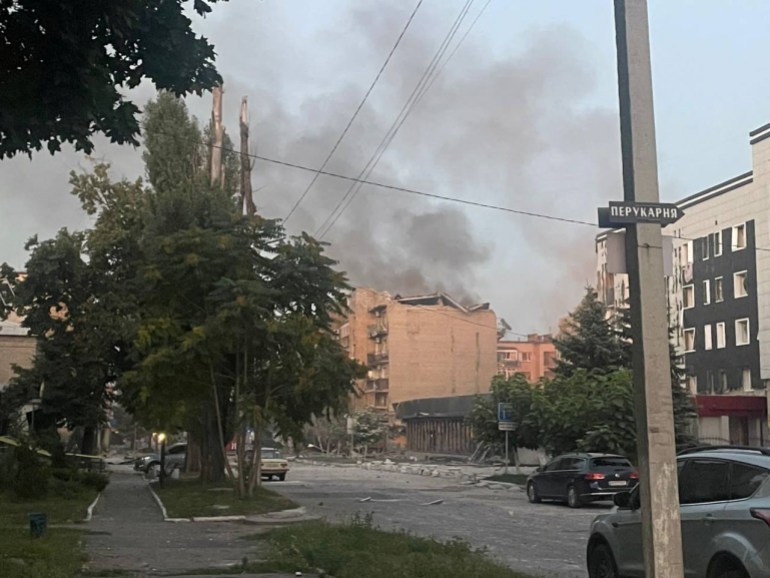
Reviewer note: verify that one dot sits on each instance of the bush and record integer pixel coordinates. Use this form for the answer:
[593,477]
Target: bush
[94,480]
[32,474]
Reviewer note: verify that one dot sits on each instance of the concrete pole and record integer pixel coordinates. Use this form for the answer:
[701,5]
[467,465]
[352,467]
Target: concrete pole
[661,530]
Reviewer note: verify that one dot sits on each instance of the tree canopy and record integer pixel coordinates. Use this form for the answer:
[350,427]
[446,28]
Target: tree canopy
[67,65]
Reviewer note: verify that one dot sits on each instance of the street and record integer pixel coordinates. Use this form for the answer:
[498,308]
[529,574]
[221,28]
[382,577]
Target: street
[543,539]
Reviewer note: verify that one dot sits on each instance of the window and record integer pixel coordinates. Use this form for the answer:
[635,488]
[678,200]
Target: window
[721,336]
[710,382]
[689,296]
[739,237]
[705,248]
[717,243]
[745,480]
[692,384]
[687,253]
[722,381]
[740,284]
[707,344]
[742,336]
[704,481]
[706,292]
[746,379]
[555,465]
[526,357]
[609,462]
[719,293]
[689,340]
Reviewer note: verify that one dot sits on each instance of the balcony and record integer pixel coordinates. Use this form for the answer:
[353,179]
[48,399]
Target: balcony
[378,329]
[377,358]
[380,384]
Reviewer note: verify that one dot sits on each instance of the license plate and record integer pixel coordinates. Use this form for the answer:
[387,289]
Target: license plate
[618,483]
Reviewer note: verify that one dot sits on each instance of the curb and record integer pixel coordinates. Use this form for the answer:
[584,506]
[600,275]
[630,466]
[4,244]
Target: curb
[90,510]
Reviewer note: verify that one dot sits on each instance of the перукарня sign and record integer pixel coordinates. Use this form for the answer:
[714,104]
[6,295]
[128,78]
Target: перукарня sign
[628,213]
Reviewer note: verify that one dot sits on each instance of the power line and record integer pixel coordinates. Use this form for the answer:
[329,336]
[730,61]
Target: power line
[351,193]
[358,110]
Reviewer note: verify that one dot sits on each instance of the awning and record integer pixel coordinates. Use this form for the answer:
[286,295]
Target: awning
[732,405]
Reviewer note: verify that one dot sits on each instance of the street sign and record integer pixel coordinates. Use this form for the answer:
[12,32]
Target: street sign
[504,412]
[505,426]
[623,213]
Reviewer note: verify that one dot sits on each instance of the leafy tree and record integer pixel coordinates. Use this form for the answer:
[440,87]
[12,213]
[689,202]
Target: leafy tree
[369,428]
[587,411]
[518,393]
[589,341]
[66,67]
[76,360]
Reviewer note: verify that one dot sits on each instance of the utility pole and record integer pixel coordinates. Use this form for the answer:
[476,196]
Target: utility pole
[661,530]
[217,136]
[247,199]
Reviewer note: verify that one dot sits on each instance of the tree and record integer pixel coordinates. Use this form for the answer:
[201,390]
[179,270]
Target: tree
[67,65]
[589,340]
[368,428]
[587,411]
[76,361]
[518,394]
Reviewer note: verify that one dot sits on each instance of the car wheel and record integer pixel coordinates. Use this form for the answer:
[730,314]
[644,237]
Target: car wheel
[153,470]
[601,562]
[733,574]
[532,495]
[573,499]
[281,477]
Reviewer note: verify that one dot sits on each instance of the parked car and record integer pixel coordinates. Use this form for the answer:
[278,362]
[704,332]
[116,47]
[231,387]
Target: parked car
[273,463]
[175,457]
[724,495]
[581,477]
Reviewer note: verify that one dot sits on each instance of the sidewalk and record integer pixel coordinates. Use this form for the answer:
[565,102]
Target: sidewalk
[128,533]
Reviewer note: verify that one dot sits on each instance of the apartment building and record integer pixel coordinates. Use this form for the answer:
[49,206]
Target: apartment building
[428,346]
[534,357]
[718,295]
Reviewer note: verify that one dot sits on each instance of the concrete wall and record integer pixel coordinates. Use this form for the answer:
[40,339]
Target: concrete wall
[14,349]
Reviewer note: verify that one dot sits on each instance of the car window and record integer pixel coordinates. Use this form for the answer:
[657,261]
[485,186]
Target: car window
[702,481]
[573,464]
[745,479]
[269,454]
[177,449]
[609,462]
[555,465]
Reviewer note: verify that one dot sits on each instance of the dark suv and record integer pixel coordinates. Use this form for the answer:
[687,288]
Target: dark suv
[579,478]
[724,497]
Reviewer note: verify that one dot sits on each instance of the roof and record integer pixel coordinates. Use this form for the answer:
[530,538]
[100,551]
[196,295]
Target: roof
[440,298]
[437,407]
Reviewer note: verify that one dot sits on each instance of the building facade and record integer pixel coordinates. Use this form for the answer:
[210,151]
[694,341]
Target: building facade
[533,357]
[418,347]
[718,296]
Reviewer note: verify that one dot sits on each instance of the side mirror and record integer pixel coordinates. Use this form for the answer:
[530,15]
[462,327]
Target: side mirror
[622,500]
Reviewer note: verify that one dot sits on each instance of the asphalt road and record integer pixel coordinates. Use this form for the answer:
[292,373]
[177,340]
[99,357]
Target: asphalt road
[542,539]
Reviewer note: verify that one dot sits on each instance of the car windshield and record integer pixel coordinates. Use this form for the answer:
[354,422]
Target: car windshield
[269,454]
[609,462]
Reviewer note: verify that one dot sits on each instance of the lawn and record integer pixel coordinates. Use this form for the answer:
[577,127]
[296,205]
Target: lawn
[360,549]
[520,479]
[57,554]
[189,498]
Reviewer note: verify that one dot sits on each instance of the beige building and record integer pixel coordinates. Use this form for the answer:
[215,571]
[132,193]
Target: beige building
[418,347]
[533,357]
[16,348]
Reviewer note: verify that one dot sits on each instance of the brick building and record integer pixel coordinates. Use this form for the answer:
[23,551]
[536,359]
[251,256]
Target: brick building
[534,357]
[428,346]
[718,292]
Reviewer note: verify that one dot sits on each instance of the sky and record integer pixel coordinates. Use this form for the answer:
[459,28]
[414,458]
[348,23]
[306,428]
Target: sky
[523,115]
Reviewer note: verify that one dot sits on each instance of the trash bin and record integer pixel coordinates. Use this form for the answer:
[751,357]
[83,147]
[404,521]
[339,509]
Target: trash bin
[38,522]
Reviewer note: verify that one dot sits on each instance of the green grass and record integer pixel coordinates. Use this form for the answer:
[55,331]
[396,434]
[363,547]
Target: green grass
[359,549]
[189,498]
[520,479]
[57,554]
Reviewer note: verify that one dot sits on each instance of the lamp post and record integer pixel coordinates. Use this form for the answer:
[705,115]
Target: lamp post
[162,474]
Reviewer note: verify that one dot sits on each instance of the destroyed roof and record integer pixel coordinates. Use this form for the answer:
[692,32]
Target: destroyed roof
[8,327]
[440,298]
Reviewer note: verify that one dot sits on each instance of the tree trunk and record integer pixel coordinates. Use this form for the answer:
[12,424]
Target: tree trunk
[247,199]
[192,461]
[212,453]
[88,447]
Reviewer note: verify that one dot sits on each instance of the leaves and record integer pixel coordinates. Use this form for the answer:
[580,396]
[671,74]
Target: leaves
[71,62]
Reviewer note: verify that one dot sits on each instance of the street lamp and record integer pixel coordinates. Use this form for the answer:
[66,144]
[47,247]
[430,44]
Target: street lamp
[162,475]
